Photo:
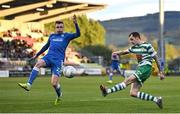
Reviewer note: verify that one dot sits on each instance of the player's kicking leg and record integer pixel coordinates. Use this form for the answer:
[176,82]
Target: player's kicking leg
[103,90]
[118,87]
[33,75]
[159,102]
[25,86]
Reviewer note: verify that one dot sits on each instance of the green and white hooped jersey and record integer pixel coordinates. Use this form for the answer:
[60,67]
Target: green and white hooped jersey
[144,53]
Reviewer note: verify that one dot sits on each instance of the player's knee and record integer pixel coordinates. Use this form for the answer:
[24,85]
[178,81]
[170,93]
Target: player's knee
[54,80]
[133,93]
[54,84]
[39,64]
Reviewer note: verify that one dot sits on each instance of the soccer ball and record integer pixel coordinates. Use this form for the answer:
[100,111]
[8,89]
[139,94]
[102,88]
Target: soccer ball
[69,71]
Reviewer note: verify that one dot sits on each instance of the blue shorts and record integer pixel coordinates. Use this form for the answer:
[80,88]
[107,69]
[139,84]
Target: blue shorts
[115,66]
[54,63]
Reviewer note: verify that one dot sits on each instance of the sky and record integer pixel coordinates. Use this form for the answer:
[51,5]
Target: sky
[130,8]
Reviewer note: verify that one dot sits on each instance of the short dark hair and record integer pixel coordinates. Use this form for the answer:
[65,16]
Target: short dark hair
[59,22]
[135,34]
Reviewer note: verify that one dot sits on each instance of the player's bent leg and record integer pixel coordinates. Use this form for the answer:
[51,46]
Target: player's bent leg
[129,80]
[148,97]
[135,87]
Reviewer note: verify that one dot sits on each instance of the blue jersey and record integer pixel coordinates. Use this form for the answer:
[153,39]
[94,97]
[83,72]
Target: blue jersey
[115,62]
[57,44]
[115,57]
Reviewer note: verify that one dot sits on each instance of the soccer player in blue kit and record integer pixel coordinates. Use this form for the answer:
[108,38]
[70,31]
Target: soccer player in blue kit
[54,59]
[115,66]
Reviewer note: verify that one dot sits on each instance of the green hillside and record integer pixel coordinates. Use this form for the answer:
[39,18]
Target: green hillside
[118,29]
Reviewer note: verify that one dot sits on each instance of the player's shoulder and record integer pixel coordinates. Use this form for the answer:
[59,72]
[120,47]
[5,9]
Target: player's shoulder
[146,44]
[52,34]
[55,34]
[67,33]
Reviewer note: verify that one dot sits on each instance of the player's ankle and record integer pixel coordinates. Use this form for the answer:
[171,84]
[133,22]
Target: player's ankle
[29,85]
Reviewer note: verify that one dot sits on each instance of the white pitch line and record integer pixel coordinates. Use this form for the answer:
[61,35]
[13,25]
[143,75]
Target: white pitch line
[107,99]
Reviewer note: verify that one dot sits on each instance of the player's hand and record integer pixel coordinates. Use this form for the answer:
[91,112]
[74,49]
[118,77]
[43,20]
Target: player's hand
[74,19]
[161,75]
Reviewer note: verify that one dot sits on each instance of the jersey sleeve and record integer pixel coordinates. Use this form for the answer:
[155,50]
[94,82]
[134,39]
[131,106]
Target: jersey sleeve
[76,34]
[151,51]
[130,50]
[44,48]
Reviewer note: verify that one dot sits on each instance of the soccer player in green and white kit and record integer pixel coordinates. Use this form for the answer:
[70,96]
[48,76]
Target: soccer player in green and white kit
[145,55]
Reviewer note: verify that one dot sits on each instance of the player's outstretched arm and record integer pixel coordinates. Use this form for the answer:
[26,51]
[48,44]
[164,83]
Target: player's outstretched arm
[43,49]
[157,60]
[124,52]
[77,33]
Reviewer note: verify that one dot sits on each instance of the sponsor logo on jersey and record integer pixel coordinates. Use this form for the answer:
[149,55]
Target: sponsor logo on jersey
[58,40]
[139,50]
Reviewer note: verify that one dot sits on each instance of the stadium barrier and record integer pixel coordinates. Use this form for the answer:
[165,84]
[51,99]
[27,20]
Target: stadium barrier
[93,71]
[4,73]
[25,73]
[17,73]
[81,70]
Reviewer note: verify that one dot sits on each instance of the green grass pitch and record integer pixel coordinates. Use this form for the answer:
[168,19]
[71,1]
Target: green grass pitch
[82,95]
